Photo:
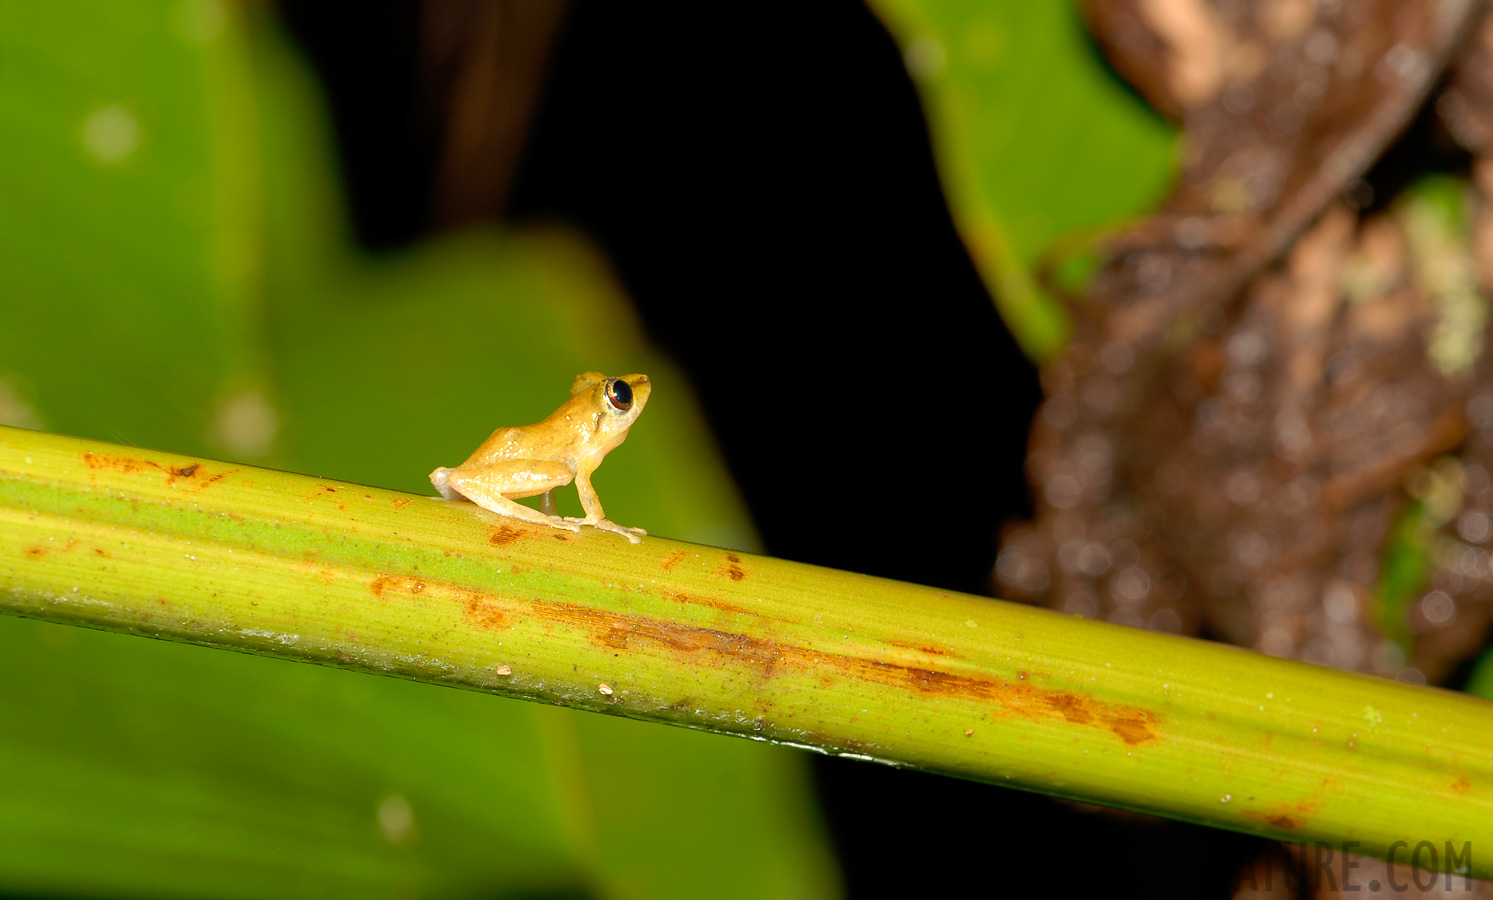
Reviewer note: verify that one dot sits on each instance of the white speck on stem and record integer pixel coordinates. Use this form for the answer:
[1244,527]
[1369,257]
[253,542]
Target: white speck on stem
[272,635]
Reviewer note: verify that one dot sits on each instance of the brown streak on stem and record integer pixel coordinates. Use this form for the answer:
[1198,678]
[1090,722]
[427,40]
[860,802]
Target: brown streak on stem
[196,473]
[1131,725]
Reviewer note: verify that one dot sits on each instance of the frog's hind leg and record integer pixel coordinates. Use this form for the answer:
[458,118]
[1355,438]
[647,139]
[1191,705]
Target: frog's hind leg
[490,487]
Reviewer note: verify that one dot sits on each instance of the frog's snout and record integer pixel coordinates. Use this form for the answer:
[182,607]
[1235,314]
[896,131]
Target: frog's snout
[641,387]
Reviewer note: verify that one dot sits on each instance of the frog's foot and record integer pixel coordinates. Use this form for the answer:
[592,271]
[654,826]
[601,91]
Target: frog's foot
[608,525]
[562,523]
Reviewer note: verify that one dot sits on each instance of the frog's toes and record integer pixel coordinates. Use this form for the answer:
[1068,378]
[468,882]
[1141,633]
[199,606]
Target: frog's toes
[608,525]
[630,533]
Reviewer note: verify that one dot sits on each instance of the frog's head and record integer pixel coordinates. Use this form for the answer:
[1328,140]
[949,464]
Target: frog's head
[618,400]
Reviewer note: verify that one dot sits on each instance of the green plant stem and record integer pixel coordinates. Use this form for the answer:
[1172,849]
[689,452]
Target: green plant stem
[321,571]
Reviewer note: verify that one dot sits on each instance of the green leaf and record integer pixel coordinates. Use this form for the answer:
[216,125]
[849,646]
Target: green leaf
[125,302]
[177,272]
[1035,140]
[1407,568]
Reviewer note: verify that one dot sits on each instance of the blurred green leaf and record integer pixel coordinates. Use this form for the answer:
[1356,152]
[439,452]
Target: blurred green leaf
[153,769]
[1034,139]
[1481,682]
[1433,214]
[124,297]
[1407,568]
[177,273]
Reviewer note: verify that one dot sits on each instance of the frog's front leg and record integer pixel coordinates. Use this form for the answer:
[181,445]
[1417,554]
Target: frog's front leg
[493,486]
[595,515]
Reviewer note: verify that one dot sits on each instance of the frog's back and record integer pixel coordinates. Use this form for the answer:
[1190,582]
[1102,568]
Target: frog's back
[508,442]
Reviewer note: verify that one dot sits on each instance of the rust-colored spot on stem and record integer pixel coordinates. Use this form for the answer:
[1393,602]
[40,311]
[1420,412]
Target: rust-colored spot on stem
[1279,820]
[479,612]
[732,568]
[503,534]
[196,473]
[383,584]
[1294,816]
[40,550]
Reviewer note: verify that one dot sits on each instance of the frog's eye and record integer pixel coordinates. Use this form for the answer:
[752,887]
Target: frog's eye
[619,394]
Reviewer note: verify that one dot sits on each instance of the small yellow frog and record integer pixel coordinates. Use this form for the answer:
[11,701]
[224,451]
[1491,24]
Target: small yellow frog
[528,460]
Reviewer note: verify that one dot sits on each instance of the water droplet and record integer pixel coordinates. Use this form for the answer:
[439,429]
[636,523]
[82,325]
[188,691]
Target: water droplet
[1131,585]
[1062,492]
[1439,608]
[1166,620]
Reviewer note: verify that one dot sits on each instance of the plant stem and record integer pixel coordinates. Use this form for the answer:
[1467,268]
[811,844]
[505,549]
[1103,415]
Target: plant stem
[303,568]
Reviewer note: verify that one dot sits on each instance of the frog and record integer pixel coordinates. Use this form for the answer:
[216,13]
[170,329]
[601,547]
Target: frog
[568,445]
